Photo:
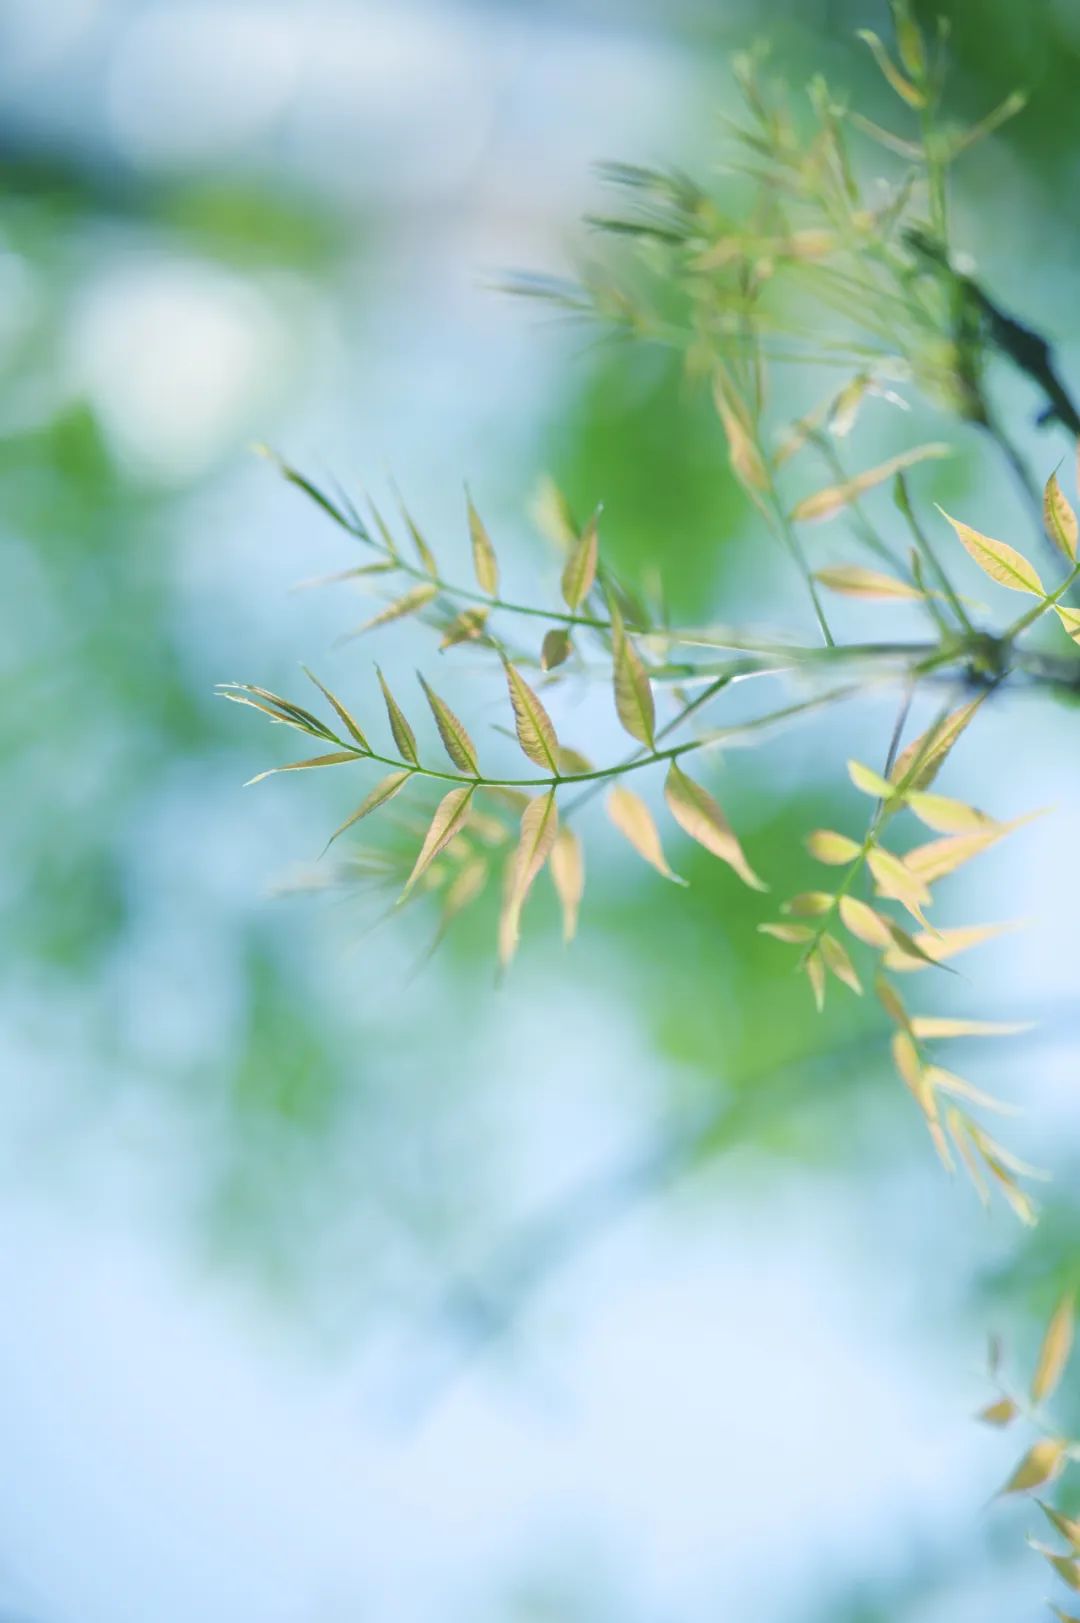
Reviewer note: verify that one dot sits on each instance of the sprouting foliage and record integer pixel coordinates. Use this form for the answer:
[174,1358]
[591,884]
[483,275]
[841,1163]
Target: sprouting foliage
[817,267]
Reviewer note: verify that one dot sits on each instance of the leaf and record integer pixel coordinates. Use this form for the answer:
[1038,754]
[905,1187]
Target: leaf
[997,559]
[293,715]
[410,603]
[1054,1353]
[810,904]
[451,815]
[535,733]
[746,459]
[555,649]
[698,815]
[633,695]
[456,741]
[1067,1526]
[1042,1463]
[383,791]
[948,1082]
[940,857]
[423,551]
[310,490]
[815,974]
[895,880]
[852,580]
[485,563]
[634,821]
[926,1025]
[539,827]
[282,718]
[870,782]
[567,864]
[837,960]
[1070,619]
[939,945]
[864,923]
[947,816]
[1060,519]
[832,848]
[1067,1567]
[572,764]
[902,85]
[337,759]
[340,709]
[468,626]
[827,503]
[579,572]
[404,737]
[1001,1413]
[795,935]
[930,749]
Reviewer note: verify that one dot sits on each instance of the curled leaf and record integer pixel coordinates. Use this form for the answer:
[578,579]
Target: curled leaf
[903,86]
[917,766]
[699,815]
[838,962]
[634,821]
[468,626]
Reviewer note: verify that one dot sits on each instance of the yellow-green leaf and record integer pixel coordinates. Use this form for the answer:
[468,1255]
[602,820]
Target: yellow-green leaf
[485,564]
[940,857]
[350,724]
[336,759]
[903,86]
[699,815]
[451,815]
[404,737]
[864,923]
[1070,619]
[824,504]
[895,880]
[815,974]
[1067,1526]
[870,782]
[1060,519]
[810,903]
[411,602]
[927,1025]
[794,935]
[939,945]
[924,756]
[456,741]
[1000,1413]
[634,822]
[555,648]
[535,733]
[997,559]
[947,816]
[959,1088]
[423,551]
[1042,1463]
[468,626]
[747,463]
[852,580]
[1054,1353]
[567,864]
[633,694]
[383,791]
[539,827]
[832,848]
[837,960]
[579,572]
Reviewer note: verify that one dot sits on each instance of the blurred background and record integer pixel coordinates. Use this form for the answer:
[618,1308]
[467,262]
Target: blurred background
[342,1285]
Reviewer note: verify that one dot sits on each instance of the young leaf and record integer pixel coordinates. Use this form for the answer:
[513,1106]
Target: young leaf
[815,974]
[997,559]
[535,733]
[948,1082]
[456,741]
[555,648]
[291,714]
[810,904]
[423,551]
[745,457]
[411,602]
[927,1025]
[870,782]
[1042,1463]
[852,580]
[864,923]
[580,570]
[947,816]
[940,857]
[284,718]
[340,709]
[337,759]
[1060,519]
[633,695]
[837,960]
[567,864]
[795,935]
[827,503]
[903,86]
[451,815]
[634,822]
[895,880]
[935,946]
[539,828]
[485,563]
[383,791]
[698,815]
[404,737]
[1054,1353]
[832,848]
[924,756]
[1070,619]
[468,626]
[1000,1413]
[1067,1526]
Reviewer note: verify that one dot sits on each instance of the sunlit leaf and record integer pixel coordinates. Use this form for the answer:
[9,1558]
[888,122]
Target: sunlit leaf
[450,818]
[456,741]
[925,755]
[899,82]
[895,880]
[535,733]
[468,626]
[793,934]
[1060,519]
[572,763]
[864,923]
[555,649]
[404,737]
[747,463]
[699,815]
[485,564]
[939,945]
[567,864]
[539,827]
[411,602]
[1070,619]
[810,903]
[338,758]
[423,551]
[824,504]
[579,572]
[940,857]
[870,782]
[837,960]
[928,1025]
[274,709]
[997,559]
[1067,1526]
[945,815]
[959,1088]
[383,791]
[634,821]
[832,848]
[1067,1567]
[1001,1413]
[852,580]
[1054,1353]
[350,724]
[633,694]
[815,974]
